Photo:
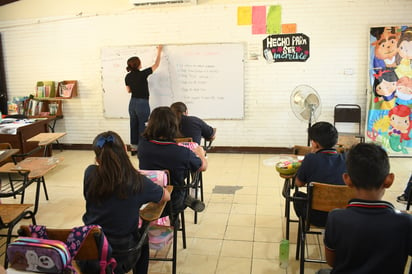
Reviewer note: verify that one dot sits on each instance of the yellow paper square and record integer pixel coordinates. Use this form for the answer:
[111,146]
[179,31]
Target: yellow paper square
[244,15]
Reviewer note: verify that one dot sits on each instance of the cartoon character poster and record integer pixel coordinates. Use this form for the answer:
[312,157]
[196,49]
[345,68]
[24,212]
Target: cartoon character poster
[389,117]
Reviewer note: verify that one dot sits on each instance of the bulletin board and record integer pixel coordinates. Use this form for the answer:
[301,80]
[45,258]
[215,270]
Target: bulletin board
[208,78]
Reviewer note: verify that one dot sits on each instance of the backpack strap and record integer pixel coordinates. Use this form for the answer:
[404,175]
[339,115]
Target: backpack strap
[76,238]
[79,234]
[105,255]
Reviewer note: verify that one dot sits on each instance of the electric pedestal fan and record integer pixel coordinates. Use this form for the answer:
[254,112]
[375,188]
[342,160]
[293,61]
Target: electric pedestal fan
[306,105]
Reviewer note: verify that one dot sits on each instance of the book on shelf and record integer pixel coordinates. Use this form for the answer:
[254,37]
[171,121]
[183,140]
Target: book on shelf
[35,107]
[66,89]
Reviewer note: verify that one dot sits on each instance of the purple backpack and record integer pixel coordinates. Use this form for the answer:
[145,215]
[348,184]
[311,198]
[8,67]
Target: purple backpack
[40,254]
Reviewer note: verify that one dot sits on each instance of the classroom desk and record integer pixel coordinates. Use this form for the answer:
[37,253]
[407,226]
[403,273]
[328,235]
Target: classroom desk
[33,169]
[288,185]
[153,211]
[347,140]
[7,153]
[23,133]
[38,166]
[45,139]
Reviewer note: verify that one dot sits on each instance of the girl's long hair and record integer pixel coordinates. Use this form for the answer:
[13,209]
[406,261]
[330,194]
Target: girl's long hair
[162,125]
[115,173]
[178,109]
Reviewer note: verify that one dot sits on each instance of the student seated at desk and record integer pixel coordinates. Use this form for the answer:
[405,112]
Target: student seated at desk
[158,150]
[191,126]
[370,235]
[323,165]
[114,191]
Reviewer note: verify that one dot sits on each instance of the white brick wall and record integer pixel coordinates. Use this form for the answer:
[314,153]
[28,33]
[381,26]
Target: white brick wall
[67,48]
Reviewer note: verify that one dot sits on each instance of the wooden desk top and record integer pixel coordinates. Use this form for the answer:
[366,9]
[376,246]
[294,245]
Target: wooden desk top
[38,166]
[153,211]
[46,138]
[10,212]
[6,153]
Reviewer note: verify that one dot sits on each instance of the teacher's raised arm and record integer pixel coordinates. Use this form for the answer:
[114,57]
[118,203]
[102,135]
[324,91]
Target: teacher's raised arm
[157,62]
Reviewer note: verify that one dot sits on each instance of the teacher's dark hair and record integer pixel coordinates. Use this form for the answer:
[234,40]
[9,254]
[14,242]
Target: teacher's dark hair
[133,63]
[162,125]
[115,172]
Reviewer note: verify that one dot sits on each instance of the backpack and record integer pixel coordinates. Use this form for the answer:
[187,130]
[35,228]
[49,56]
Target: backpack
[38,255]
[160,233]
[59,255]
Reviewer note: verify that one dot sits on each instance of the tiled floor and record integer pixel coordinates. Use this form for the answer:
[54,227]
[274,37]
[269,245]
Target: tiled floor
[237,233]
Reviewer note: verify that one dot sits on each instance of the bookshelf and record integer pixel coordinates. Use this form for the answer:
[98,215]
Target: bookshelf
[48,102]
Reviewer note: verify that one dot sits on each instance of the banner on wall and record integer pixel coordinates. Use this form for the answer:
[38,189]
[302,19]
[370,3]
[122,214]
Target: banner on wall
[286,48]
[389,114]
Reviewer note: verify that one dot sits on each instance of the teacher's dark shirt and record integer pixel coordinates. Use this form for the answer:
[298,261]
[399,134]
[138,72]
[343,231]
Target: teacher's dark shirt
[137,81]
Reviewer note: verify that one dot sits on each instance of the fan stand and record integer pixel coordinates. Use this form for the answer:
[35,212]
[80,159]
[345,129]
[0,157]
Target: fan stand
[312,114]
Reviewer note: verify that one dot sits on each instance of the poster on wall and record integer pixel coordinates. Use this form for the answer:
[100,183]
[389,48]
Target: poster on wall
[286,48]
[390,84]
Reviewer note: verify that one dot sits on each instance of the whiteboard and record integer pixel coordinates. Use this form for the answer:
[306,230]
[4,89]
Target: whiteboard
[208,78]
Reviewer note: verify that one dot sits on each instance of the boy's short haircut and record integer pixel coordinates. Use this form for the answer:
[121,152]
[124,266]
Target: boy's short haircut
[367,165]
[324,133]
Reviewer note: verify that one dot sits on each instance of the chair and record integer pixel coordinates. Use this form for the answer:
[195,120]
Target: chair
[162,177]
[89,250]
[136,250]
[349,114]
[184,140]
[194,180]
[12,214]
[8,168]
[323,197]
[207,144]
[7,160]
[6,146]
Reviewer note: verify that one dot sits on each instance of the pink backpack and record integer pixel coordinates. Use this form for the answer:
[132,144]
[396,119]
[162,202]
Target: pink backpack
[160,232]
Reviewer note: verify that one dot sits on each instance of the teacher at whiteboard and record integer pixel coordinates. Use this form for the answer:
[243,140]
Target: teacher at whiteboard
[137,85]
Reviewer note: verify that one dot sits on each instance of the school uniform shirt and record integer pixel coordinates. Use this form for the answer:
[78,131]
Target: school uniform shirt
[160,155]
[369,237]
[119,217]
[324,166]
[191,126]
[137,81]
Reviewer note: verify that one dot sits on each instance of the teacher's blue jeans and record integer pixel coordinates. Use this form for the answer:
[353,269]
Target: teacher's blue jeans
[139,111]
